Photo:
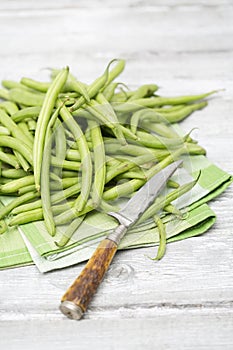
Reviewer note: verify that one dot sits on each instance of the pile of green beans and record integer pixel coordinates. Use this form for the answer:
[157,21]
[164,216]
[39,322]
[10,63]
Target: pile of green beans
[67,148]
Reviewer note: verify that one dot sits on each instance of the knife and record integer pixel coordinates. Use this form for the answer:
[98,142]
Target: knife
[77,298]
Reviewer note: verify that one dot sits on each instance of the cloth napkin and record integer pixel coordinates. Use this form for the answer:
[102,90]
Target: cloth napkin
[33,244]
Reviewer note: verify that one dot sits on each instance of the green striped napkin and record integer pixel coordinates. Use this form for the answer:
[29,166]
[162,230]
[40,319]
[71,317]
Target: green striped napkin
[15,247]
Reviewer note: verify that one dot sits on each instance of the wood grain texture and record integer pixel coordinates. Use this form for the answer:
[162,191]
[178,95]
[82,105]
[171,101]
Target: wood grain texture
[184,301]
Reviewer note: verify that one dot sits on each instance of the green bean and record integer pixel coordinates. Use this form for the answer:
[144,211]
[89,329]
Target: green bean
[60,144]
[16,184]
[22,161]
[108,111]
[154,141]
[35,85]
[184,112]
[79,87]
[27,135]
[171,209]
[43,120]
[31,125]
[146,90]
[26,217]
[173,184]
[68,173]
[14,128]
[70,231]
[165,109]
[26,189]
[99,163]
[3,227]
[45,185]
[9,159]
[143,114]
[26,113]
[162,238]
[9,107]
[135,184]
[16,202]
[21,147]
[136,174]
[158,101]
[26,98]
[4,94]
[109,91]
[100,83]
[85,157]
[10,84]
[4,131]
[163,201]
[159,128]
[13,173]
[73,154]
[112,74]
[93,109]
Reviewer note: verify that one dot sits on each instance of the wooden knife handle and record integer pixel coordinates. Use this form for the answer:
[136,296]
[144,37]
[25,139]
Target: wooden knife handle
[75,301]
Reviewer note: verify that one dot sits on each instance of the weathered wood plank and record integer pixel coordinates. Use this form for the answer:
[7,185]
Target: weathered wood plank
[184,330]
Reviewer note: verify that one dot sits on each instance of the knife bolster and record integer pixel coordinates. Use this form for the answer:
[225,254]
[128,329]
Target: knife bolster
[118,234]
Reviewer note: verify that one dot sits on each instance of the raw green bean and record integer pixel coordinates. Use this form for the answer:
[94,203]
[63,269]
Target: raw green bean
[166,109]
[70,231]
[43,120]
[16,202]
[27,135]
[35,85]
[162,238]
[26,98]
[109,91]
[22,161]
[158,101]
[26,113]
[4,94]
[163,201]
[181,114]
[3,227]
[13,173]
[14,128]
[31,125]
[45,184]
[26,189]
[60,145]
[154,141]
[99,163]
[73,154]
[159,128]
[100,83]
[9,107]
[10,84]
[16,184]
[85,157]
[26,217]
[173,184]
[4,131]
[146,90]
[21,147]
[143,114]
[9,159]
[171,209]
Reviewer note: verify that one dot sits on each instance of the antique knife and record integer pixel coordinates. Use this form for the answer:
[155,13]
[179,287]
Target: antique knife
[75,301]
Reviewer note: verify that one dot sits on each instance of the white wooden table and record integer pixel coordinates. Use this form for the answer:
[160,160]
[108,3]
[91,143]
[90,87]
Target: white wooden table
[186,300]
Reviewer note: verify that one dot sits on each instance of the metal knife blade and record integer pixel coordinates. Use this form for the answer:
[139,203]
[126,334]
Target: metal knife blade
[143,198]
